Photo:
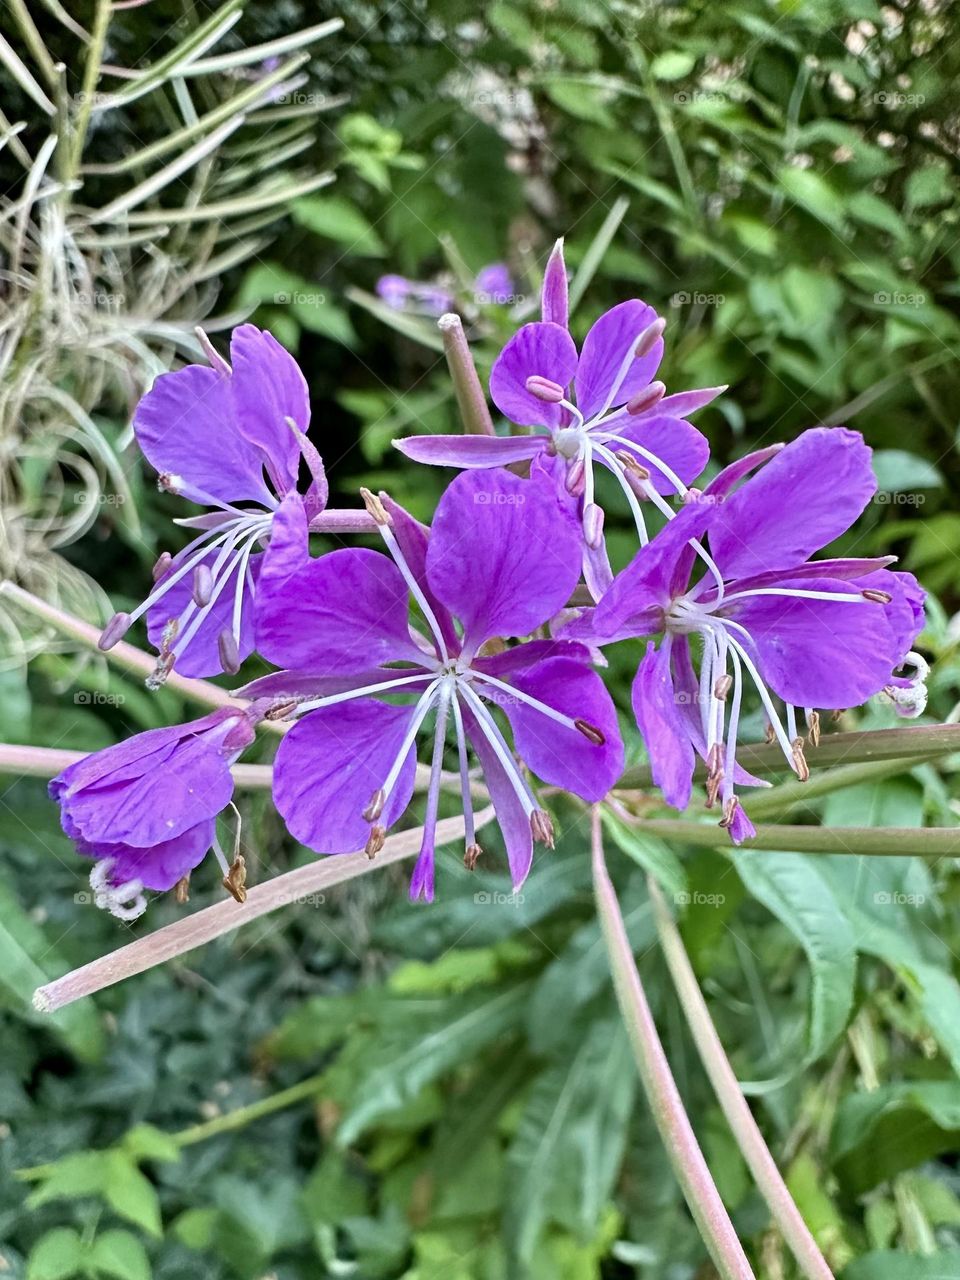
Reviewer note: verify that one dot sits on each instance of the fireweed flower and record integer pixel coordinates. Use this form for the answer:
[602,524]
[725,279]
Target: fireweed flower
[146,809]
[501,559]
[815,634]
[616,414]
[401,294]
[494,284]
[229,439]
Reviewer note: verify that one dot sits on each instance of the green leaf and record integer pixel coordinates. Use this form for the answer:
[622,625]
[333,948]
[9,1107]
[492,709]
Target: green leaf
[132,1195]
[56,1255]
[338,219]
[880,1132]
[891,1264]
[82,1173]
[570,1140]
[672,65]
[814,193]
[648,852]
[584,101]
[898,471]
[144,1142]
[120,1254]
[311,306]
[792,888]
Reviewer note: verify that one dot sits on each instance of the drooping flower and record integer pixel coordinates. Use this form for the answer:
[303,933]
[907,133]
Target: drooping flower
[146,809]
[815,634]
[616,414]
[229,439]
[501,559]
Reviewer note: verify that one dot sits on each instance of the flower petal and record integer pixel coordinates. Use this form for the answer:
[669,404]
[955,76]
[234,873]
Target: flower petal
[662,725]
[413,539]
[606,347]
[504,554]
[187,429]
[807,495]
[524,657]
[511,816]
[268,388]
[560,756]
[470,452]
[678,444]
[820,653]
[682,403]
[157,866]
[535,350]
[329,766]
[342,612]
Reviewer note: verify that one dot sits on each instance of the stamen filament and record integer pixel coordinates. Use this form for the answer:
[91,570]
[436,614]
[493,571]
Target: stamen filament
[841,597]
[619,472]
[420,713]
[491,731]
[568,722]
[469,825]
[672,476]
[416,590]
[382,687]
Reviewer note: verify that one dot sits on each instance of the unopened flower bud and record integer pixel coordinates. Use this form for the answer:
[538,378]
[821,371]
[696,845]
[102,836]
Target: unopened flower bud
[115,630]
[544,389]
[651,395]
[650,337]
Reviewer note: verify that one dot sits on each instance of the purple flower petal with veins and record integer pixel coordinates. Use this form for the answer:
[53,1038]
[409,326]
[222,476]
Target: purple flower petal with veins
[500,560]
[221,437]
[826,634]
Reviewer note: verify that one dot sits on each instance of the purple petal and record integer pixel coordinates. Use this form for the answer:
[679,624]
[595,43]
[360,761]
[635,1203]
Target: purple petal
[740,827]
[201,657]
[523,657]
[413,539]
[342,612]
[422,880]
[157,866]
[504,555]
[186,427]
[329,766]
[731,475]
[511,816]
[905,615]
[560,756]
[554,302]
[662,725]
[809,494]
[471,452]
[682,403]
[678,444]
[635,603]
[819,653]
[536,350]
[597,573]
[282,685]
[268,388]
[604,351]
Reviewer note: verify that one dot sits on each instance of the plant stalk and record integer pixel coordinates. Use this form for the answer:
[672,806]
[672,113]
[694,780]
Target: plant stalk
[881,842]
[471,401]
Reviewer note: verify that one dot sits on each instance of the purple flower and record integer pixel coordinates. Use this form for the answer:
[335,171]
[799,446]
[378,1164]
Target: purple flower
[501,559]
[815,634]
[146,808]
[494,284]
[229,439]
[616,415]
[401,294]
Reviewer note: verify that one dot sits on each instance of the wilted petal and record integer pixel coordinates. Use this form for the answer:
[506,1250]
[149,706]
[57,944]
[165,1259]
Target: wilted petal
[159,866]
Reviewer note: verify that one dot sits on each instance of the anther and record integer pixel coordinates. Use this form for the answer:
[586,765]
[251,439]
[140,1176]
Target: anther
[115,630]
[202,585]
[282,710]
[228,651]
[876,597]
[235,881]
[181,890]
[593,525]
[374,506]
[169,483]
[730,808]
[813,724]
[164,561]
[544,389]
[650,337]
[576,476]
[541,826]
[722,687]
[374,809]
[800,760]
[769,733]
[158,676]
[471,856]
[647,398]
[632,465]
[375,840]
[591,732]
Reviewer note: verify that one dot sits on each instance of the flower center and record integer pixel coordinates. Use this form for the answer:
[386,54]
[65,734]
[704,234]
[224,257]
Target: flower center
[569,442]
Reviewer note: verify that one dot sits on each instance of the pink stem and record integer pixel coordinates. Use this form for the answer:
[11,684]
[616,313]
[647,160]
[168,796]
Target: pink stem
[343,520]
[471,400]
[47,762]
[211,922]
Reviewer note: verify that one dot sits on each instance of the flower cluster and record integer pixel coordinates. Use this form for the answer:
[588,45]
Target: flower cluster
[477,630]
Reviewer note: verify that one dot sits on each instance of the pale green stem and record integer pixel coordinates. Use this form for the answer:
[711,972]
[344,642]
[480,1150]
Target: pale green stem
[666,1105]
[881,842]
[730,1096]
[471,401]
[789,795]
[254,1111]
[91,78]
[305,885]
[47,762]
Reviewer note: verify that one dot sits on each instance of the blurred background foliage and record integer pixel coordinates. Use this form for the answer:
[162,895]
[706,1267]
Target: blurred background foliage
[359,1087]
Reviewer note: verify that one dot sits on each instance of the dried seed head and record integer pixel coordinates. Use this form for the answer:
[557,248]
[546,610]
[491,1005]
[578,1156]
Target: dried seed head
[235,881]
[544,389]
[591,732]
[375,840]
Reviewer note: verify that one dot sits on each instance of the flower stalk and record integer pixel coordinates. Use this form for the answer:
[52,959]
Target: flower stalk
[879,842]
[730,1096]
[666,1105]
[471,401]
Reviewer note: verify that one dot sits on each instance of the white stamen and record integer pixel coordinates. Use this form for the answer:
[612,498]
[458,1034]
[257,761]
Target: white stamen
[427,700]
[568,722]
[840,597]
[469,825]
[733,725]
[619,472]
[416,590]
[382,687]
[490,730]
[652,458]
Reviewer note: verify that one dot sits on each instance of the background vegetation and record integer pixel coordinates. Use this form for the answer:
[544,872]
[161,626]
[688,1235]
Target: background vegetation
[363,1088]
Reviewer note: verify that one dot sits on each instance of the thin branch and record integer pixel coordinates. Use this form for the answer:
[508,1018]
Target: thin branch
[880,842]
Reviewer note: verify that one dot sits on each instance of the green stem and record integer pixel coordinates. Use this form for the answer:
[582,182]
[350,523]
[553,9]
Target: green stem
[882,842]
[730,1096]
[471,401]
[666,1105]
[246,1115]
[91,78]
[835,748]
[789,795]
